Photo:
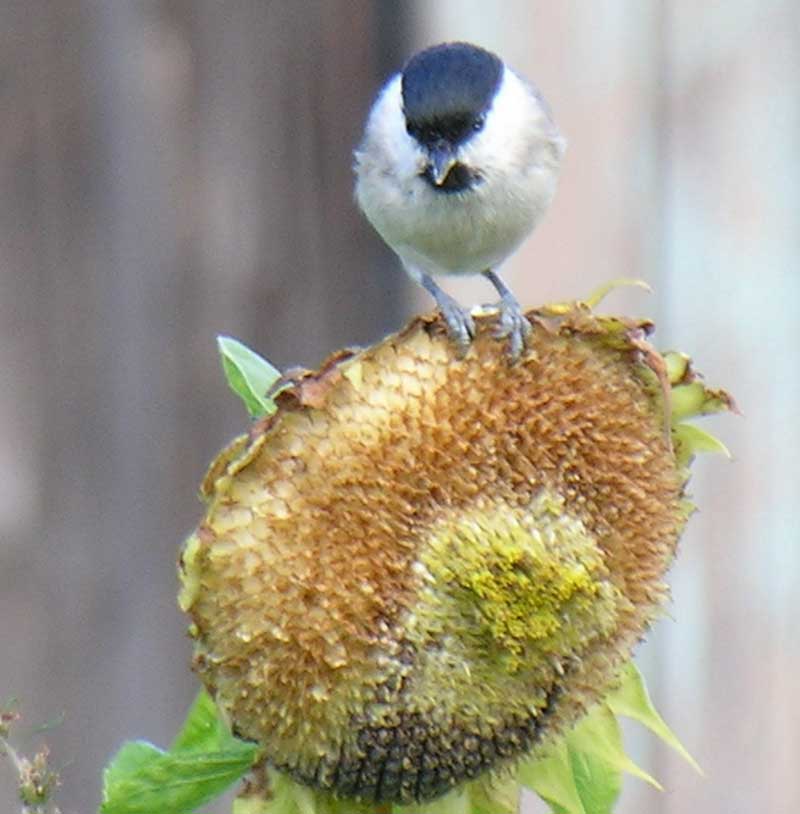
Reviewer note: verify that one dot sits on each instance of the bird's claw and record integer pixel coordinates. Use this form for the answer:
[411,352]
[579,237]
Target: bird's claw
[460,325]
[514,325]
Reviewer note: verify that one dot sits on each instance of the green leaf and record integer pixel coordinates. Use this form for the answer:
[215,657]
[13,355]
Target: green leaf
[631,699]
[204,760]
[203,731]
[248,375]
[143,780]
[133,756]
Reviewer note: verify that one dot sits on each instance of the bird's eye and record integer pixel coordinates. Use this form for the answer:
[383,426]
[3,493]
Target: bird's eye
[409,129]
[478,123]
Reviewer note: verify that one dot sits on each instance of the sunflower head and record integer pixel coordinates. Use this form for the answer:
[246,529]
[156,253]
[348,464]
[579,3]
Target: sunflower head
[421,567]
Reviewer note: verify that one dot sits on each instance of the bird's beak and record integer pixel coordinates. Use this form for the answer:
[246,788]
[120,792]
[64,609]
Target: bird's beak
[442,159]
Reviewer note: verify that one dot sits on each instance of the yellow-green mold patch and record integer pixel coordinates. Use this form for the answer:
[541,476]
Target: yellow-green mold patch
[520,586]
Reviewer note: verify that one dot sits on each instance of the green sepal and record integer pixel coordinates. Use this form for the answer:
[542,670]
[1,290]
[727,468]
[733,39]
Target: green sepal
[289,797]
[678,366]
[599,734]
[552,778]
[688,440]
[687,400]
[457,801]
[632,700]
[491,794]
[572,781]
[598,783]
[601,292]
[249,376]
[582,773]
[250,805]
[495,795]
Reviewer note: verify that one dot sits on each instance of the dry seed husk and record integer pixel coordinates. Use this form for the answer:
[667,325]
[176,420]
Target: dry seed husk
[423,566]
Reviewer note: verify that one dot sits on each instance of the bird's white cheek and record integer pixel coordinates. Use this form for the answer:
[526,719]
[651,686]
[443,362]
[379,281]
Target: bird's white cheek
[412,163]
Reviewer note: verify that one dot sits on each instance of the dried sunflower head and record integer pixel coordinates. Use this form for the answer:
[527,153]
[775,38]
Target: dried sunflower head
[423,566]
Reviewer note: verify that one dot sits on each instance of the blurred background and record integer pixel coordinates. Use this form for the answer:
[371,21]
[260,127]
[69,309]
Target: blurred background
[170,171]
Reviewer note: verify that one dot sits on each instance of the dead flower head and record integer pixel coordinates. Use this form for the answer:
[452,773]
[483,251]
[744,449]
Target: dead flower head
[422,567]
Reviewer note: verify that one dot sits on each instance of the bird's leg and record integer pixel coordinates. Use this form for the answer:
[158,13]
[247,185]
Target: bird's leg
[460,325]
[513,322]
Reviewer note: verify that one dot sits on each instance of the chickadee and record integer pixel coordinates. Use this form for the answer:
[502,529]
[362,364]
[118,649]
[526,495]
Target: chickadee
[458,163]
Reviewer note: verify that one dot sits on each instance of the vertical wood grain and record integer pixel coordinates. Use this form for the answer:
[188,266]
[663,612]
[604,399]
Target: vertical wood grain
[170,171]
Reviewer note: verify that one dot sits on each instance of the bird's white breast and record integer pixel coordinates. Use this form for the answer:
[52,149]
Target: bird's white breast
[517,155]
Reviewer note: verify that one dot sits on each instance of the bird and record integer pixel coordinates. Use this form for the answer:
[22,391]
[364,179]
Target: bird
[458,162]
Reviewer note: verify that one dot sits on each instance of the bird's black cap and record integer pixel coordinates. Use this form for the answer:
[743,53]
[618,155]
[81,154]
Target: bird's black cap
[447,89]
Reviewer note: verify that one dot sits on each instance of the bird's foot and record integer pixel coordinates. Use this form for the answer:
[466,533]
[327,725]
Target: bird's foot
[513,324]
[460,325]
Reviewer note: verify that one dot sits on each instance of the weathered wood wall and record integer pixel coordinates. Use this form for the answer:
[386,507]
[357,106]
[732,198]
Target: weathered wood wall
[174,170]
[683,121]
[169,171]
